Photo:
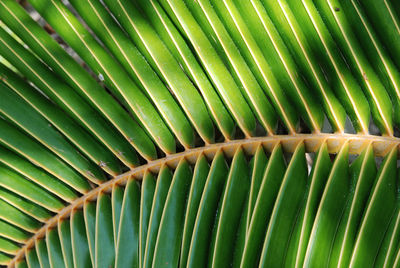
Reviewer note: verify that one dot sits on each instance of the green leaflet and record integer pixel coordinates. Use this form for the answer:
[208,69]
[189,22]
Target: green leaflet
[19,112]
[104,239]
[208,20]
[377,54]
[117,196]
[36,175]
[261,69]
[79,240]
[162,187]
[25,188]
[298,44]
[342,81]
[13,233]
[15,217]
[146,201]
[374,90]
[275,50]
[56,258]
[329,212]
[139,70]
[200,174]
[259,165]
[168,32]
[241,235]
[199,246]
[215,68]
[4,259]
[235,191]
[25,206]
[89,213]
[81,81]
[64,233]
[285,210]
[21,264]
[168,69]
[41,251]
[386,20]
[318,177]
[34,152]
[64,124]
[128,228]
[169,238]
[387,252]
[379,210]
[103,64]
[362,172]
[8,246]
[32,259]
[259,222]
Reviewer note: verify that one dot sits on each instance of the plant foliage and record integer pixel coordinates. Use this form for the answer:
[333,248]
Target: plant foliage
[178,133]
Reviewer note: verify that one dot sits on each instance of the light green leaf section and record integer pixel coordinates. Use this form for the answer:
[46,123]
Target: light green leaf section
[175,42]
[117,79]
[214,66]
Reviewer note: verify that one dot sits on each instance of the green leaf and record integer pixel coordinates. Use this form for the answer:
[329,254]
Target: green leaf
[75,75]
[13,233]
[200,173]
[169,238]
[140,71]
[79,240]
[377,215]
[271,182]
[283,216]
[317,181]
[32,259]
[54,249]
[363,173]
[14,216]
[25,188]
[37,154]
[345,86]
[259,165]
[64,233]
[387,252]
[147,195]
[36,175]
[374,90]
[41,251]
[215,68]
[69,128]
[329,212]
[204,13]
[8,246]
[89,213]
[274,47]
[31,122]
[171,37]
[298,44]
[127,248]
[104,239]
[117,196]
[103,64]
[160,195]
[206,214]
[232,204]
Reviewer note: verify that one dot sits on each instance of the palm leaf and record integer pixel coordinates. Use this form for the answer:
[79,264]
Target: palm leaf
[181,133]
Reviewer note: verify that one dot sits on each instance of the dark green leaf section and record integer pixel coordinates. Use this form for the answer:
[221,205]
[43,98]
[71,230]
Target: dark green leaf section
[202,215]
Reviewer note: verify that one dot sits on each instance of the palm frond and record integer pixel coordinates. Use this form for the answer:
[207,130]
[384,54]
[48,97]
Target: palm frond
[181,133]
